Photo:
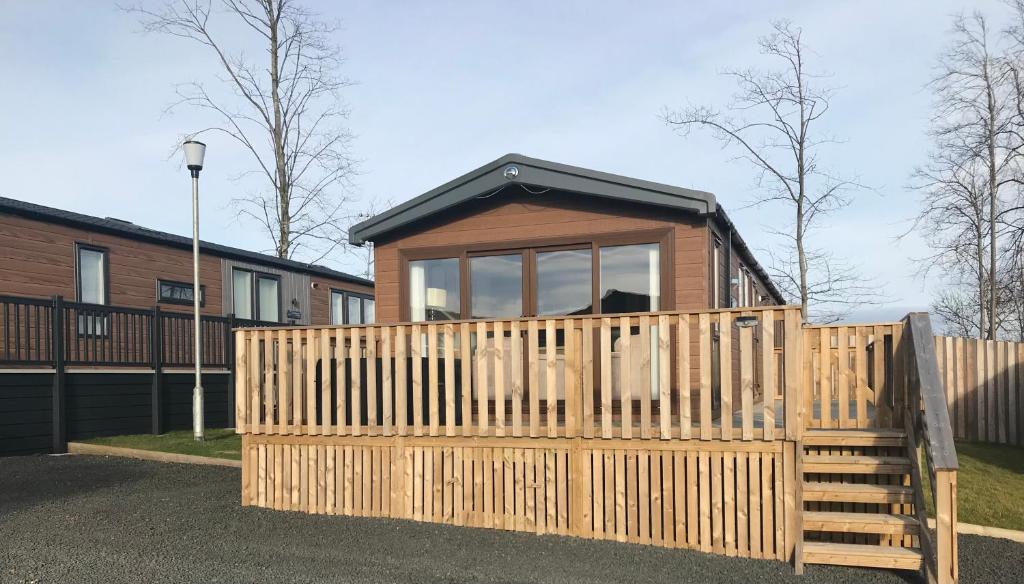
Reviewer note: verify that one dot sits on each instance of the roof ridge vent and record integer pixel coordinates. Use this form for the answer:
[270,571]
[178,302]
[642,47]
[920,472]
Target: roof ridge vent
[125,221]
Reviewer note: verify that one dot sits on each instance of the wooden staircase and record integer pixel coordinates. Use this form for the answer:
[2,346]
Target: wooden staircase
[858,505]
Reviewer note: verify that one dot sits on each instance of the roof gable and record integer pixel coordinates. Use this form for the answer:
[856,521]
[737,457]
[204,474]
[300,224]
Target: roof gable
[532,172]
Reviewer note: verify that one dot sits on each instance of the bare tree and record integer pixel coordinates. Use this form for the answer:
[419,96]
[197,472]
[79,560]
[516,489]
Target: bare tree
[954,223]
[773,122]
[957,311]
[974,126]
[284,110]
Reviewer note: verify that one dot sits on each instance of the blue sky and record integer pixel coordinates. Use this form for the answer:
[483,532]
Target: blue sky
[442,87]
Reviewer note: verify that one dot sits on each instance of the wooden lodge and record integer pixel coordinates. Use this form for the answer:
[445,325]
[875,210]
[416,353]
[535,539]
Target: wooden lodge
[565,351]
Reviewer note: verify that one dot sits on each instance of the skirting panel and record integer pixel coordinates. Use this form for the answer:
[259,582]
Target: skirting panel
[720,497]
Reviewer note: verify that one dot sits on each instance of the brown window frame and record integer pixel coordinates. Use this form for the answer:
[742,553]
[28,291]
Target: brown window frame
[664,237]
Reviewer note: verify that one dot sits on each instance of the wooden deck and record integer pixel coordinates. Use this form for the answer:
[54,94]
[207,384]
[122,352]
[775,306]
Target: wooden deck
[669,429]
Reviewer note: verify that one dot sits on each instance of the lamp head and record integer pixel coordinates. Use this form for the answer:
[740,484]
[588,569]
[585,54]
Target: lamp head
[194,154]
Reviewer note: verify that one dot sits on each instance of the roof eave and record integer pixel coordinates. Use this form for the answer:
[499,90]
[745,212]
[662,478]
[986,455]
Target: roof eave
[536,173]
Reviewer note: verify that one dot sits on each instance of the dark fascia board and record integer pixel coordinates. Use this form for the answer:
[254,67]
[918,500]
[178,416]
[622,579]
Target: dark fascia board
[533,172]
[135,232]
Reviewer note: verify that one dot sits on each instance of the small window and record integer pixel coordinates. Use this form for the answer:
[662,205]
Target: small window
[269,298]
[171,292]
[91,274]
[716,275]
[351,308]
[255,294]
[91,288]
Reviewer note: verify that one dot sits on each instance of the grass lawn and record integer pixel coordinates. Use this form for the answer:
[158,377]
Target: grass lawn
[219,443]
[990,485]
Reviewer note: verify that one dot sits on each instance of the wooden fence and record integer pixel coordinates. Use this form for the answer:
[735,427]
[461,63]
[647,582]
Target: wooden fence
[662,428]
[983,381]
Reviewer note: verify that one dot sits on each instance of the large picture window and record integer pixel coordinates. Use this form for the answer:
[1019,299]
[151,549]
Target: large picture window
[565,282]
[630,278]
[611,274]
[434,290]
[496,286]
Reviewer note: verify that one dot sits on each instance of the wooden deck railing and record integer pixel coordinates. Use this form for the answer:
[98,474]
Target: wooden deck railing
[658,375]
[930,432]
[680,429]
[858,381]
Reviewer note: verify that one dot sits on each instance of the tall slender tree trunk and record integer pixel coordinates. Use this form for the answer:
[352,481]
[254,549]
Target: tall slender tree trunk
[993,186]
[284,221]
[980,251]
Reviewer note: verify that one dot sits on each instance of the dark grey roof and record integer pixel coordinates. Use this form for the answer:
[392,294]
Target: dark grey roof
[130,230]
[531,172]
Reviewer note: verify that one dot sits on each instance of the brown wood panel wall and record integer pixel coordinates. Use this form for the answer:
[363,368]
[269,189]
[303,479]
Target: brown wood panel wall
[37,259]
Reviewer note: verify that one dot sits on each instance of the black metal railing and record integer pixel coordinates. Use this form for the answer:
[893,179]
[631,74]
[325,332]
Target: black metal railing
[26,329]
[110,336]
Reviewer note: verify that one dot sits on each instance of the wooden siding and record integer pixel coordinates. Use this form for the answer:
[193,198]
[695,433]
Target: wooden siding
[518,217]
[320,297]
[37,259]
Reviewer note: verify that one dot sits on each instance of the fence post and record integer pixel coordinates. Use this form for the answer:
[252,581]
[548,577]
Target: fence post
[229,357]
[58,405]
[156,356]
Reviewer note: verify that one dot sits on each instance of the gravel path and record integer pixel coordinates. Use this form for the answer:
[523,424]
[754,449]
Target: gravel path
[97,519]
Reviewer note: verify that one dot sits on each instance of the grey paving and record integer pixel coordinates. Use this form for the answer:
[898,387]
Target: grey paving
[96,519]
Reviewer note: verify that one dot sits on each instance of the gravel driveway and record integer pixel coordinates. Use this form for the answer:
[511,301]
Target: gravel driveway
[99,519]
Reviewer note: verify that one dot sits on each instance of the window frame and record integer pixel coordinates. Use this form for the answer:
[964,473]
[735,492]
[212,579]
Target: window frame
[79,247]
[202,293]
[345,295]
[716,272]
[256,275]
[664,237]
[468,274]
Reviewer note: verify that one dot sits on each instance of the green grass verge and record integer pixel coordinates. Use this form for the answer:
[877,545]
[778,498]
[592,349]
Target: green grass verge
[219,443]
[989,485]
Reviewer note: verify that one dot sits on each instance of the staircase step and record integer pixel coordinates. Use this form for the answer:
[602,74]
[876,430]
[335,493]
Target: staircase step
[861,523]
[855,438]
[857,493]
[865,556]
[856,464]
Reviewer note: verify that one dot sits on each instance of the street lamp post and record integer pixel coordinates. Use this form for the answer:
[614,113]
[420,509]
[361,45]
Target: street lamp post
[194,154]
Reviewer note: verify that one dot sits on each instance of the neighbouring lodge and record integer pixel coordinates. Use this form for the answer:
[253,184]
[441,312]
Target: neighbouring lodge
[112,262]
[561,350]
[96,332]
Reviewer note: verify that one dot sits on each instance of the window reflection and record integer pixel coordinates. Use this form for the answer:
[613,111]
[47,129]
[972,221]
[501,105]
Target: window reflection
[564,282]
[434,289]
[630,278]
[496,284]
